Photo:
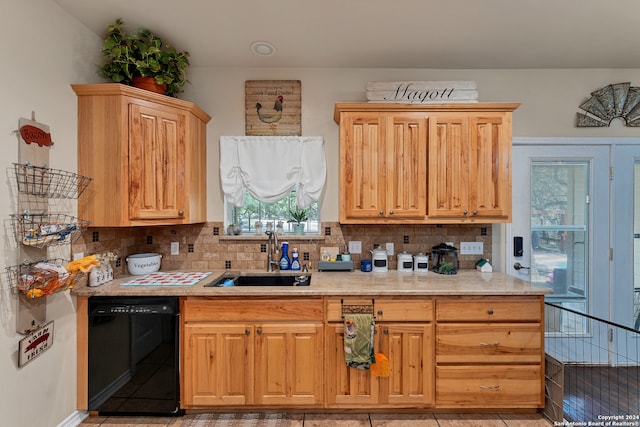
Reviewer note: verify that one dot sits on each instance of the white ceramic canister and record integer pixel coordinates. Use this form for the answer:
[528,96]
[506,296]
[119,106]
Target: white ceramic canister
[405,262]
[379,260]
[421,263]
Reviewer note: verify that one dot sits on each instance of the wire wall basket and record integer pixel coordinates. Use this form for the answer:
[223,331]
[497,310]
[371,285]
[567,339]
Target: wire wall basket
[46,229]
[52,183]
[32,280]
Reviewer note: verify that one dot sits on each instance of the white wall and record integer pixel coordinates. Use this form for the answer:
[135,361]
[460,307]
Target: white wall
[550,100]
[45,50]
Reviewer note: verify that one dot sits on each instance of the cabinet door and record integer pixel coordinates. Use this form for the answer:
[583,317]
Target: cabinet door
[156,162]
[448,166]
[409,348]
[363,167]
[288,365]
[490,166]
[346,387]
[217,368]
[406,185]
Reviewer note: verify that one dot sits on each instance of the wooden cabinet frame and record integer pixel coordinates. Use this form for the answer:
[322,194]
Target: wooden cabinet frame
[146,154]
[425,164]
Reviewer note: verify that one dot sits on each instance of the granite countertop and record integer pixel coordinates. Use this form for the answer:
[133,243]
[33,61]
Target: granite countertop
[355,283]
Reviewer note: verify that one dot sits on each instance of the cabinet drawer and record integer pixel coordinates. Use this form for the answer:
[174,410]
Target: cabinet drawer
[398,309]
[489,310]
[489,386]
[202,309]
[489,343]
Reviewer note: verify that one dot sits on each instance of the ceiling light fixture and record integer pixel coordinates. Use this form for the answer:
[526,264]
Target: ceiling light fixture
[261,48]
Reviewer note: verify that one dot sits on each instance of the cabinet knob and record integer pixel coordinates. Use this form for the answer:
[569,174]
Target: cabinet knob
[381,212]
[390,212]
[181,213]
[466,212]
[385,331]
[475,212]
[247,332]
[259,331]
[490,311]
[379,312]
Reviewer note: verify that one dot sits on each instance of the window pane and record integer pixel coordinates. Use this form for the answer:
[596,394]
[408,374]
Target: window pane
[559,231]
[254,211]
[636,247]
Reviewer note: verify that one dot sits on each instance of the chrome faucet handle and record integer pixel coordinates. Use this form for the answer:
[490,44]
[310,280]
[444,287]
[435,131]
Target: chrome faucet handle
[305,268]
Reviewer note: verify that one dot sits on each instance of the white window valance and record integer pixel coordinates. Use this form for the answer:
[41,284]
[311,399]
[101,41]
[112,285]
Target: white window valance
[269,167]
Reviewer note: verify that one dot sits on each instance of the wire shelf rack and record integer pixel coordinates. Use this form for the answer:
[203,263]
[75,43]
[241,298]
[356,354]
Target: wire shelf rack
[52,183]
[46,229]
[32,280]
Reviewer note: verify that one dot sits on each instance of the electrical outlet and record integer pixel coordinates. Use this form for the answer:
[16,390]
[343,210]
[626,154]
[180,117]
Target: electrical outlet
[389,248]
[355,247]
[471,248]
[175,248]
[78,255]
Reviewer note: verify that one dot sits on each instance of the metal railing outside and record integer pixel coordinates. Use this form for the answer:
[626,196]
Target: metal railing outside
[592,370]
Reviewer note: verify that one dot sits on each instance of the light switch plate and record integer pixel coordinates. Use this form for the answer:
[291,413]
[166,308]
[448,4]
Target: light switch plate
[355,247]
[175,248]
[390,249]
[471,248]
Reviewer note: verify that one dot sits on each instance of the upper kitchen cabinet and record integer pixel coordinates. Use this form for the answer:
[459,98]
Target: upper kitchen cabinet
[470,167]
[417,163]
[382,167]
[146,153]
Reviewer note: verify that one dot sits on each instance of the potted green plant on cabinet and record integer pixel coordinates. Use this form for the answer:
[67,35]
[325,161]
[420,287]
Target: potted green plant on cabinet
[297,216]
[141,59]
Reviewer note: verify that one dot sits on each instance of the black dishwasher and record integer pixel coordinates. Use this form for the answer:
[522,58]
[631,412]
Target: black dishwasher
[133,355]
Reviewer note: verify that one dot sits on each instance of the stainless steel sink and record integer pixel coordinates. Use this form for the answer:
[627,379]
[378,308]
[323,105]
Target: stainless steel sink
[238,279]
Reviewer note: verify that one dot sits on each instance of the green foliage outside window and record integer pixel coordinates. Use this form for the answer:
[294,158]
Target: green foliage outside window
[255,211]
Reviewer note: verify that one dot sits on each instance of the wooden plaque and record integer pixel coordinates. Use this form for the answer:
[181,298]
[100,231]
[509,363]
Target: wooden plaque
[273,107]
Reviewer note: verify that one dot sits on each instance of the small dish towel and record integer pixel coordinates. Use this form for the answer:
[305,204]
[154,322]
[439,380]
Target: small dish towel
[358,340]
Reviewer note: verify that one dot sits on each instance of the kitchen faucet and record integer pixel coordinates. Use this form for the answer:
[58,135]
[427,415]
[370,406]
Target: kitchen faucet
[271,249]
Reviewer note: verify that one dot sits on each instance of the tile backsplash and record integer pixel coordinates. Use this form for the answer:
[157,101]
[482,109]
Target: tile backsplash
[206,247]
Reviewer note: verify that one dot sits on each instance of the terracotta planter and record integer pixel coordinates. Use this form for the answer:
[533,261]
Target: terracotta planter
[149,83]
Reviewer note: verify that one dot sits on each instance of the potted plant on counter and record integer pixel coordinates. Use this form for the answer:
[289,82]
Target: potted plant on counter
[141,59]
[297,216]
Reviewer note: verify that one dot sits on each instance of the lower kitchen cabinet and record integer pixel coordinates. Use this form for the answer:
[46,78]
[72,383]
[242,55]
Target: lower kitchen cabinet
[445,353]
[489,352]
[489,386]
[217,368]
[270,358]
[288,370]
[408,345]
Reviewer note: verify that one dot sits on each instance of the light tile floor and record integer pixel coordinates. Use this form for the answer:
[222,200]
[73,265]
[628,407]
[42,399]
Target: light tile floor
[354,420]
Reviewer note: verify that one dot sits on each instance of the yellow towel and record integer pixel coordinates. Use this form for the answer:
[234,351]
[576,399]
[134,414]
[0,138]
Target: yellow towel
[358,340]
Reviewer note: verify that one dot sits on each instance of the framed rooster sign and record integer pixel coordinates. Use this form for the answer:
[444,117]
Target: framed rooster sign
[273,107]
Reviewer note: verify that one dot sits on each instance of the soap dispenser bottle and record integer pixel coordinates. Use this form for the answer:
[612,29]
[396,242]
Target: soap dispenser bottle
[295,262]
[285,264]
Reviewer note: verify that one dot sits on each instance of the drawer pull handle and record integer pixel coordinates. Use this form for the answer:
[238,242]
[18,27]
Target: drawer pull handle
[486,344]
[490,311]
[490,387]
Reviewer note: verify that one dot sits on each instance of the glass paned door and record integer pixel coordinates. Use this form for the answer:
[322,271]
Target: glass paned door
[626,231]
[561,211]
[559,198]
